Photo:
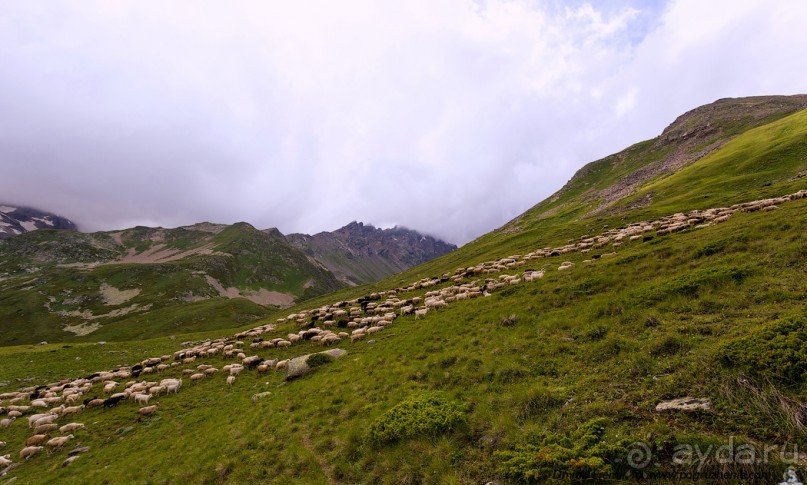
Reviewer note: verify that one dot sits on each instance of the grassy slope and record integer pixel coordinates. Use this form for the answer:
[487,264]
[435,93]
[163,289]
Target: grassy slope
[584,338]
[607,340]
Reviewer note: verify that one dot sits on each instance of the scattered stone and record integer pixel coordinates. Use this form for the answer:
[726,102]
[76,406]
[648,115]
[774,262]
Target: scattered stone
[298,366]
[685,404]
[7,469]
[70,460]
[370,342]
[259,396]
[78,450]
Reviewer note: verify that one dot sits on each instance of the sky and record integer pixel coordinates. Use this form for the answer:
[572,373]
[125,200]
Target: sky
[450,117]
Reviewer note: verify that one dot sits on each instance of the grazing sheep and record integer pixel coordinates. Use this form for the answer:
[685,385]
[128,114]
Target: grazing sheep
[5,460]
[46,420]
[95,403]
[236,369]
[71,427]
[230,380]
[148,410]
[142,398]
[72,410]
[262,369]
[45,428]
[59,441]
[36,440]
[29,451]
[34,418]
[197,377]
[421,312]
[14,414]
[281,364]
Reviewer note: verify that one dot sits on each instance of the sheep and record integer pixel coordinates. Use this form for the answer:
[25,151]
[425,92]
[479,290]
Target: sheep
[29,451]
[148,410]
[33,419]
[39,403]
[109,387]
[72,410]
[2,444]
[14,414]
[95,403]
[281,364]
[59,441]
[45,428]
[236,369]
[71,427]
[262,369]
[197,377]
[36,440]
[142,398]
[230,380]
[72,398]
[421,312]
[211,371]
[46,420]
[173,386]
[5,460]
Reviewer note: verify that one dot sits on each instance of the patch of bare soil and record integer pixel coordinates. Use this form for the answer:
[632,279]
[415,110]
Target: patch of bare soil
[261,297]
[113,296]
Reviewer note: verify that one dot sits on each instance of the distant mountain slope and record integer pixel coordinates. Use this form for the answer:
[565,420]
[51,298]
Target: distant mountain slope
[359,253]
[19,220]
[145,282]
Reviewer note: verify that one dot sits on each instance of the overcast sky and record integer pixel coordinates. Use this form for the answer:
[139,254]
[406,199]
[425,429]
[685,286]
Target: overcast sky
[447,116]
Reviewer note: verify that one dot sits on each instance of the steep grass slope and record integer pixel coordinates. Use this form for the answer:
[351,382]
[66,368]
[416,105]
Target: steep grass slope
[560,375]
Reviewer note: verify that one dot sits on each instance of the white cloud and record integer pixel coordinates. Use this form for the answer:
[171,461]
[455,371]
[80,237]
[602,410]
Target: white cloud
[447,116]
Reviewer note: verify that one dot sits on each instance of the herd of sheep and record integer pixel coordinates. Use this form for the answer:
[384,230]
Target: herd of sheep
[45,405]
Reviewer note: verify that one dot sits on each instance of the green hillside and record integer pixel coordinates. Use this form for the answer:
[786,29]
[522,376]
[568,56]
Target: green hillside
[558,378]
[66,286]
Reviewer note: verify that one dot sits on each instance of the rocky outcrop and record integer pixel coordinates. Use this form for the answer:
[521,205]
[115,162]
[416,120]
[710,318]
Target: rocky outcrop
[360,253]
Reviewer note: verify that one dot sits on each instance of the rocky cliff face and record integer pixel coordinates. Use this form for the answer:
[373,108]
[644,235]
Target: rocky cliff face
[359,253]
[18,220]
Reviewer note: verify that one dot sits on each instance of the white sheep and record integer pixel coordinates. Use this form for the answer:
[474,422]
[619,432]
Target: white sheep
[5,460]
[29,451]
[71,427]
[72,410]
[142,398]
[149,410]
[230,380]
[59,441]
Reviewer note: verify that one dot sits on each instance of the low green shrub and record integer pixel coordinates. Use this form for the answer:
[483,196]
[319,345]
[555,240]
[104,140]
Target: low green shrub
[777,351]
[421,414]
[580,455]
